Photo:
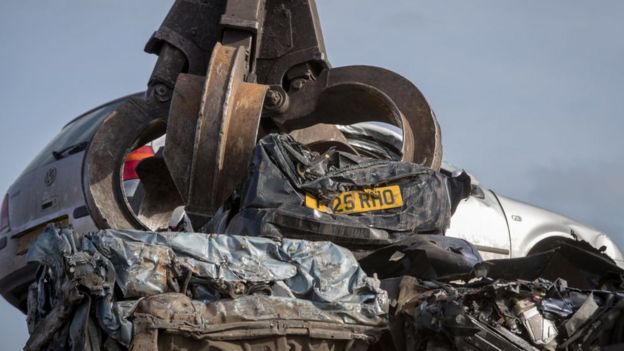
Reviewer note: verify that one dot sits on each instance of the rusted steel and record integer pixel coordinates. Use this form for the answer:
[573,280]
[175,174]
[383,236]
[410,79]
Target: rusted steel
[192,27]
[355,94]
[132,124]
[226,128]
[321,137]
[45,330]
[181,129]
[423,123]
[161,196]
[278,35]
[212,122]
[174,321]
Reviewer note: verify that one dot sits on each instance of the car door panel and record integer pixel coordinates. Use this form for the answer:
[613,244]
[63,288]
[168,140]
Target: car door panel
[481,221]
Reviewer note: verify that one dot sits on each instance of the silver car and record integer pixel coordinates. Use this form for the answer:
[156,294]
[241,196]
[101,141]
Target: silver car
[48,191]
[500,227]
[51,190]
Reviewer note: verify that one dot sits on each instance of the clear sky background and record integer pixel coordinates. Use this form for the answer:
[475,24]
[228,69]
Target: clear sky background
[529,94]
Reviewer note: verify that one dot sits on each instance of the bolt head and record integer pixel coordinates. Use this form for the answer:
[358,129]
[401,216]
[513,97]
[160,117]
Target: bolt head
[298,84]
[274,98]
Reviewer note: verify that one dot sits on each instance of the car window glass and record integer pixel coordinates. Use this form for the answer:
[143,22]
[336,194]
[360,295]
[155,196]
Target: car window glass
[78,131]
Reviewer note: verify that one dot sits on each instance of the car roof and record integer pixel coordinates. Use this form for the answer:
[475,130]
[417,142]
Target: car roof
[139,94]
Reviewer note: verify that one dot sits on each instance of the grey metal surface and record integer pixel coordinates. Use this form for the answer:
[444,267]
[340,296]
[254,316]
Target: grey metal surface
[209,290]
[504,309]
[233,279]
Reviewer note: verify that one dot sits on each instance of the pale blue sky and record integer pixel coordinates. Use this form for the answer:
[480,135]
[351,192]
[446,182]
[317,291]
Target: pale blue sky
[528,93]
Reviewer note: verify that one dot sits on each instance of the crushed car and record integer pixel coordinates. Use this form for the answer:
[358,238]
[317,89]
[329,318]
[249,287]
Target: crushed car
[149,291]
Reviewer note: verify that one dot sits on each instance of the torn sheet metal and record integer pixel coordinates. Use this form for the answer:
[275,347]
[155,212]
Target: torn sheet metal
[504,315]
[353,201]
[578,263]
[582,315]
[428,257]
[499,304]
[509,304]
[245,293]
[228,279]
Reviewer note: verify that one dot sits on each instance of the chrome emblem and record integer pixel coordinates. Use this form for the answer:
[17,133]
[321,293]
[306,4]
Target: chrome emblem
[50,176]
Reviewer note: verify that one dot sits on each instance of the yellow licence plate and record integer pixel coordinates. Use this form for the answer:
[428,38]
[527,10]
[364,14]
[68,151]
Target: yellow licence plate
[359,201]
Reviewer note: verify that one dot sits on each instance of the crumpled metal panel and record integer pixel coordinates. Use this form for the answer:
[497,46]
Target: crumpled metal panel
[284,171]
[317,271]
[428,257]
[142,270]
[228,279]
[504,304]
[73,276]
[504,315]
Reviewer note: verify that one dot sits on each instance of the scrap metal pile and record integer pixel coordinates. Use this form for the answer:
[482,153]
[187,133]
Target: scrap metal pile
[514,304]
[162,290]
[273,219]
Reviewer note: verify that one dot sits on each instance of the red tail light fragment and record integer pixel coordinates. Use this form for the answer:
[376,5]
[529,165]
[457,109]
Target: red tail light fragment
[133,159]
